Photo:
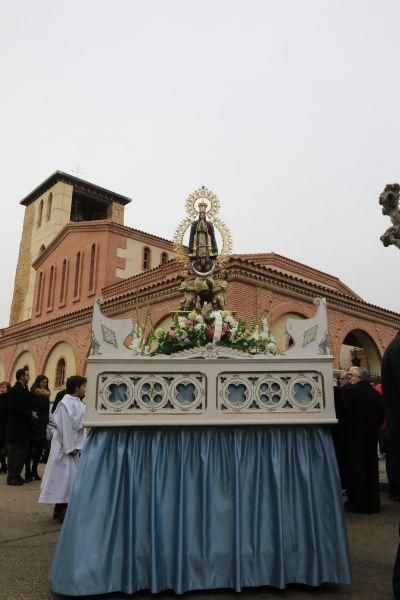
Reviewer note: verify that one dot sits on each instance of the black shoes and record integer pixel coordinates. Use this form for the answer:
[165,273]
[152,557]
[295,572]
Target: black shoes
[36,477]
[14,481]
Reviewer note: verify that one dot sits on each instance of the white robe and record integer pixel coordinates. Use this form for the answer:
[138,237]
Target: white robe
[59,475]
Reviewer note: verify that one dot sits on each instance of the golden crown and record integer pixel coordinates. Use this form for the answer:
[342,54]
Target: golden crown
[202,206]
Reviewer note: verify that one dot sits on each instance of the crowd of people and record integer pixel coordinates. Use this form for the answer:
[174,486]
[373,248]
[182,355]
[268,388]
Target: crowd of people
[29,424]
[368,428]
[360,413]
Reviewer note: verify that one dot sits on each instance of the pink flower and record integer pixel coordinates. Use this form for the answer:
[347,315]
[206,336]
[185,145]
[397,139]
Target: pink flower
[189,323]
[172,334]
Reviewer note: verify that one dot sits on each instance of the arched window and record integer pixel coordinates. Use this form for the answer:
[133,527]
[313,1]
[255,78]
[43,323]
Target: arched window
[40,214]
[42,249]
[92,268]
[49,205]
[39,293]
[59,379]
[63,288]
[50,291]
[164,258]
[77,276]
[146,258]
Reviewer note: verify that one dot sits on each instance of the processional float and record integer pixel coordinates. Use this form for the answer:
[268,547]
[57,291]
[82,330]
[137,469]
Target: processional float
[209,460]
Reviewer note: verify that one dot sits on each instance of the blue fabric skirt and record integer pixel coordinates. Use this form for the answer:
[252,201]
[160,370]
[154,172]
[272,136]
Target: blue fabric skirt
[202,508]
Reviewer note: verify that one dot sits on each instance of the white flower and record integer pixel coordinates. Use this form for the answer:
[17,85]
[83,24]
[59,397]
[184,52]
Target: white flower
[199,326]
[231,322]
[199,319]
[272,347]
[181,322]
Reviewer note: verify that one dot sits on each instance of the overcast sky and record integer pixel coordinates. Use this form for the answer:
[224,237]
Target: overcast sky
[288,110]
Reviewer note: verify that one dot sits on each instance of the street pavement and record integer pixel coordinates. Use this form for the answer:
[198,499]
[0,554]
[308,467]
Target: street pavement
[28,535]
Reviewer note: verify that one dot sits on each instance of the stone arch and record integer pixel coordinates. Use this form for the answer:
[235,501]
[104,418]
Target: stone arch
[284,311]
[60,351]
[25,358]
[164,322]
[357,343]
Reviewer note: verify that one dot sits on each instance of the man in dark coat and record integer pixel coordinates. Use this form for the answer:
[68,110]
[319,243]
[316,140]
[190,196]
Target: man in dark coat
[363,418]
[391,402]
[19,425]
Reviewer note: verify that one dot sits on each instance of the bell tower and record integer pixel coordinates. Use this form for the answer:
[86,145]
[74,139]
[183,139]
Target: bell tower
[60,199]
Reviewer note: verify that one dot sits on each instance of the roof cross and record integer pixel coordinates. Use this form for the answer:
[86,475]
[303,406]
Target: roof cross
[77,171]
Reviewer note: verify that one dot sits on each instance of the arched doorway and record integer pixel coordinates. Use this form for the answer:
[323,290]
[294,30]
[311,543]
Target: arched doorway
[359,350]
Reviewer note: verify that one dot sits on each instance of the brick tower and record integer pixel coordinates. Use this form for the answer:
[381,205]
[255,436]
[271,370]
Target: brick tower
[60,199]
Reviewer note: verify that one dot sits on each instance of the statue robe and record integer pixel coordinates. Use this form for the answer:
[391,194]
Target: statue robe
[59,476]
[196,244]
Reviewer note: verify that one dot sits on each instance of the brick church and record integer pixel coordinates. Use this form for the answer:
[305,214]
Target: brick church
[75,246]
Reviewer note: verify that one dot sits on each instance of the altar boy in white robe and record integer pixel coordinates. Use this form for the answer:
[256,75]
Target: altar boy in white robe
[66,444]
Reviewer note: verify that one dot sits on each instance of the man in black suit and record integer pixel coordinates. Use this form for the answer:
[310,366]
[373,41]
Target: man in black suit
[363,417]
[19,426]
[391,401]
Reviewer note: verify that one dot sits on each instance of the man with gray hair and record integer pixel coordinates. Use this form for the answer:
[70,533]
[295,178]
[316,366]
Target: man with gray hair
[363,418]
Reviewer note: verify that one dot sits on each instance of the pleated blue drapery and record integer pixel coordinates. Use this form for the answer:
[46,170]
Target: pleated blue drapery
[190,508]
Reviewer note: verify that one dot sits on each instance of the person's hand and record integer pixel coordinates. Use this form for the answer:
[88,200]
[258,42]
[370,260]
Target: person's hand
[34,415]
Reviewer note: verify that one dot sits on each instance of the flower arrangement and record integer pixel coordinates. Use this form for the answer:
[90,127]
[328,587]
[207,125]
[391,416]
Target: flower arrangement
[196,329]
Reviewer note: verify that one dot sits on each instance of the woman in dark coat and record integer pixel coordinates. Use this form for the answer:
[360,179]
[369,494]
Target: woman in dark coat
[5,388]
[40,401]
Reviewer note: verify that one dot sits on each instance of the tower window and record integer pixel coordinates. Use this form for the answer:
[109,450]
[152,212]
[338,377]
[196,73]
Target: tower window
[39,293]
[50,292]
[164,258]
[92,268]
[49,206]
[63,288]
[86,208]
[61,368]
[78,261]
[146,258]
[40,214]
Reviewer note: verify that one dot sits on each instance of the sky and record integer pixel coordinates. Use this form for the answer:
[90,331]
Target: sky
[289,111]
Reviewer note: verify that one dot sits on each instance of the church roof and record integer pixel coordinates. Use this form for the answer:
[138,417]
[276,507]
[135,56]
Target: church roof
[288,266]
[79,185]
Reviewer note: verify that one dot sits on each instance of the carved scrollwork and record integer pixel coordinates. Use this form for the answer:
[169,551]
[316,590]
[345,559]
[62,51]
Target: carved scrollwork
[151,393]
[270,392]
